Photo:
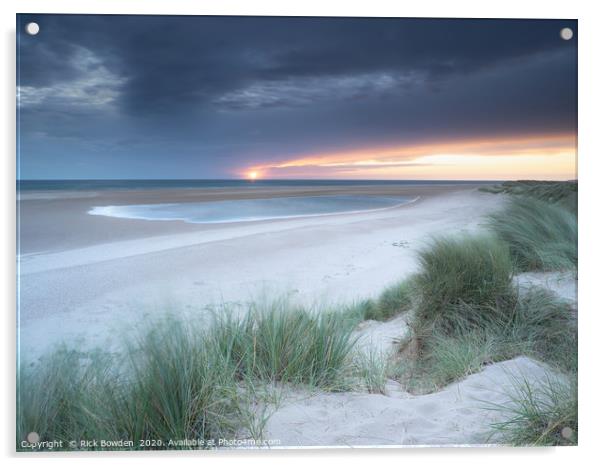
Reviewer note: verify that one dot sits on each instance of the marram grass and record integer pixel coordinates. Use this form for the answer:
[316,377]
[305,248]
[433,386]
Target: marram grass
[393,300]
[58,397]
[459,271]
[469,313]
[543,414]
[540,235]
[169,385]
[372,368]
[278,343]
[534,323]
[178,381]
[563,193]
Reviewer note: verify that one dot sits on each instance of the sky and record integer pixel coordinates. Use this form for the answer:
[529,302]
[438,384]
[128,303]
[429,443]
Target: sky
[169,97]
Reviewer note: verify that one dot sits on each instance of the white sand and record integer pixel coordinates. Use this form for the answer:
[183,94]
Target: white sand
[563,284]
[381,338]
[94,294]
[457,415]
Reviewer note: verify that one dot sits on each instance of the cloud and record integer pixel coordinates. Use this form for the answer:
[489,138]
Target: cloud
[183,63]
[308,90]
[92,86]
[221,93]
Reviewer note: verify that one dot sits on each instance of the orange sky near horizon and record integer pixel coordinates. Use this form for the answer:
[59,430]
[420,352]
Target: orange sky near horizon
[545,157]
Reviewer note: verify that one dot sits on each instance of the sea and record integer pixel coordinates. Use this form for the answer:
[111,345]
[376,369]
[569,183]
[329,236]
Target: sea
[94,185]
[240,210]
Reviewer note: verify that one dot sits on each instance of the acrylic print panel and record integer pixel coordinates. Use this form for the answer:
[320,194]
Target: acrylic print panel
[274,232]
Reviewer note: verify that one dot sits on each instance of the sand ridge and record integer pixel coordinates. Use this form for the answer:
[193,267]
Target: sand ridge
[460,414]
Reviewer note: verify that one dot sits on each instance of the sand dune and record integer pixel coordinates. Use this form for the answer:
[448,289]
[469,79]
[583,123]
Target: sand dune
[459,414]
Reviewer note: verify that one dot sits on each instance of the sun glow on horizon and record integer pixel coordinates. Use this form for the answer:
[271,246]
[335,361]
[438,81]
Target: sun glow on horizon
[547,156]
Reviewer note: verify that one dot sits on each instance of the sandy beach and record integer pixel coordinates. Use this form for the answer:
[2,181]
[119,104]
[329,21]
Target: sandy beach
[89,278]
[91,281]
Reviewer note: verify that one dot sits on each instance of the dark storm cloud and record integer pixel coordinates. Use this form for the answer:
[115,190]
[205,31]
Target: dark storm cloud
[317,81]
[183,60]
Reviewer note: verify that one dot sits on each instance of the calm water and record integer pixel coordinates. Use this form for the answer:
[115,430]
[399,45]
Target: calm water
[235,210]
[248,210]
[94,185]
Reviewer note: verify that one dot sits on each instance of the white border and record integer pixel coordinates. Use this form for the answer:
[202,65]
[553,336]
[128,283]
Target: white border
[590,175]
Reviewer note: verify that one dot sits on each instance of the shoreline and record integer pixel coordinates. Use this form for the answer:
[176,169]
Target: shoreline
[95,291]
[67,224]
[95,211]
[218,231]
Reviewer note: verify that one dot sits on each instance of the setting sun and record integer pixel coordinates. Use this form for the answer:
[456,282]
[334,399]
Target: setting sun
[252,175]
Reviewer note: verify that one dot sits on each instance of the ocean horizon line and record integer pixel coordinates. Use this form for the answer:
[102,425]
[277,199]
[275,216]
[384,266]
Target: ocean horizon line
[269,179]
[129,184]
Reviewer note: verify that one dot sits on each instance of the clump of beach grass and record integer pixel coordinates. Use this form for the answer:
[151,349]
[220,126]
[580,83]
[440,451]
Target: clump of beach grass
[179,386]
[393,300]
[540,235]
[453,358]
[280,343]
[536,324]
[372,368]
[539,414]
[469,313]
[169,385]
[459,271]
[180,381]
[58,396]
[563,193]
[541,325]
